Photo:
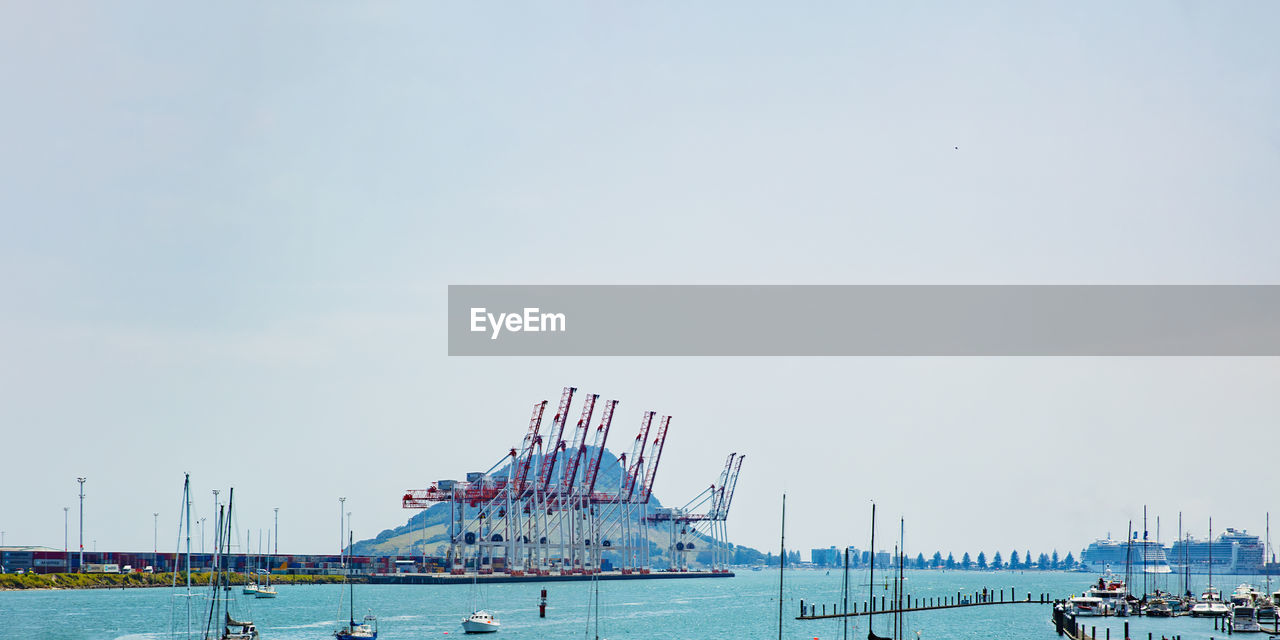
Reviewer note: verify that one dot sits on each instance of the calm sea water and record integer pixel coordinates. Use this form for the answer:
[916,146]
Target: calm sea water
[744,607]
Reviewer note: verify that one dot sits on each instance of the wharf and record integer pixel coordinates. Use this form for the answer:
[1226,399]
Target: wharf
[909,604]
[495,578]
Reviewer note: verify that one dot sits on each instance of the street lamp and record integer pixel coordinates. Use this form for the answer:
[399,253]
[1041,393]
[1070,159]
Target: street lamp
[155,536]
[202,535]
[277,549]
[342,528]
[81,481]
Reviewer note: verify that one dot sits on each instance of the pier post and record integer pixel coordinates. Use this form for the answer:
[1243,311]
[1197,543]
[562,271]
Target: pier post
[1108,633]
[1126,631]
[802,607]
[542,605]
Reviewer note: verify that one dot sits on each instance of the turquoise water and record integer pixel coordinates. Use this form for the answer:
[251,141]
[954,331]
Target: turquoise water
[744,607]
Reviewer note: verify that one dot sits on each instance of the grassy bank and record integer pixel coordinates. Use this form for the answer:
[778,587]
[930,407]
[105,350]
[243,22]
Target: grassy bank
[133,580]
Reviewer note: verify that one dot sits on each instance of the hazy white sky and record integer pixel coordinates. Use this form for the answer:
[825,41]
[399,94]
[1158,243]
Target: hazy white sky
[227,233]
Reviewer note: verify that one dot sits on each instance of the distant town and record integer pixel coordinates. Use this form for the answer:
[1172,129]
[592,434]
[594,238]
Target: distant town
[1234,551]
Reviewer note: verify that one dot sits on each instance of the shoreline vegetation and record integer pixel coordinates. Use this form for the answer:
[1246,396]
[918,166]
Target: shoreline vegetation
[199,580]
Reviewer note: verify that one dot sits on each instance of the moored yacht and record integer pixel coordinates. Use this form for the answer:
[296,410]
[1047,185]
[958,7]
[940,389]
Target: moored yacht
[1244,619]
[480,622]
[1086,606]
[1158,607]
[1210,605]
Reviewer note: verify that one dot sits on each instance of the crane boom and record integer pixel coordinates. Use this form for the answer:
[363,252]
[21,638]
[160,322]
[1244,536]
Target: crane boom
[655,451]
[526,454]
[573,455]
[637,456]
[553,443]
[602,435]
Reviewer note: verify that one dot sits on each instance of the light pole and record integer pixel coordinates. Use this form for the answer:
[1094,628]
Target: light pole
[202,536]
[155,535]
[81,563]
[277,549]
[342,529]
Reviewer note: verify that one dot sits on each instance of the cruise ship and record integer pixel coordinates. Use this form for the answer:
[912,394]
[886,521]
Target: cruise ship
[1140,554]
[1233,551]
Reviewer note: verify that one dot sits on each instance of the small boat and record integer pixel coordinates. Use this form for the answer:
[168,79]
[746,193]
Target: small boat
[1245,594]
[1081,606]
[265,591]
[1244,619]
[1159,608]
[480,622]
[249,589]
[1267,610]
[246,630]
[368,629]
[1210,605]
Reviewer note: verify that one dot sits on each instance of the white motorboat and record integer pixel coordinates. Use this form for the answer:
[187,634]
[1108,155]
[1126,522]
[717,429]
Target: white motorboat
[1086,606]
[1245,594]
[1159,608]
[1112,596]
[1210,605]
[1244,619]
[265,591]
[480,622]
[249,589]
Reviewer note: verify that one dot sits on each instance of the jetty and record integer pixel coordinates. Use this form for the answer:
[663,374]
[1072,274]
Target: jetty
[984,598]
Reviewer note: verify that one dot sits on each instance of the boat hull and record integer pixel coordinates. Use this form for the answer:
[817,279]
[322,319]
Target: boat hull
[475,626]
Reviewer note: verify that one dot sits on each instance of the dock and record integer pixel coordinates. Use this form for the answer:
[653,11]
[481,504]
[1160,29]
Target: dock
[909,604]
[497,578]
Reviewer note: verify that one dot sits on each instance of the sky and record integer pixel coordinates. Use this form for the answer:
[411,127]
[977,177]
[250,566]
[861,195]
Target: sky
[228,232]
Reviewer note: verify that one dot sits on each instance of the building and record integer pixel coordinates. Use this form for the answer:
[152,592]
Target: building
[829,557]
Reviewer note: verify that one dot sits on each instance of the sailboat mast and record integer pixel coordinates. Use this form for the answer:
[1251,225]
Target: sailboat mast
[1128,561]
[871,593]
[1267,553]
[1210,552]
[1144,552]
[351,587]
[1186,571]
[895,605]
[845,617]
[902,582]
[782,562]
[186,500]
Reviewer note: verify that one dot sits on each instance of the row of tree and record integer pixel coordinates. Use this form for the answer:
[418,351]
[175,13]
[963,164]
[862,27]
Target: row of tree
[1044,562]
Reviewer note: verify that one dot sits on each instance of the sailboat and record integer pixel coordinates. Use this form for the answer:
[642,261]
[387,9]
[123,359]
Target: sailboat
[480,621]
[220,605]
[265,590]
[183,527]
[1210,605]
[368,629]
[250,582]
[594,604]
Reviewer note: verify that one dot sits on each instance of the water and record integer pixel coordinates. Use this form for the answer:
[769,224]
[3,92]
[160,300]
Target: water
[744,607]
